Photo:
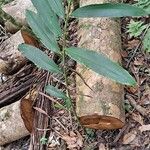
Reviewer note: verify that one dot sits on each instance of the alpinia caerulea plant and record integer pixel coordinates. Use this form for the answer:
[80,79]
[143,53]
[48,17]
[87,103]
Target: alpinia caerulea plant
[45,23]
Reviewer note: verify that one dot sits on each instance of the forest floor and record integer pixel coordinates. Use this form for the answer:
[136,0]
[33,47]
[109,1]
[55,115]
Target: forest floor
[135,135]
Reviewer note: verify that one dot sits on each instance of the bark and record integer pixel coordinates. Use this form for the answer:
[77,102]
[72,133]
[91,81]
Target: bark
[101,108]
[16,9]
[41,121]
[11,60]
[11,124]
[16,87]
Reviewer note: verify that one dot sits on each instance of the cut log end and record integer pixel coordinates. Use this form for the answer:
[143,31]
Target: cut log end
[101,122]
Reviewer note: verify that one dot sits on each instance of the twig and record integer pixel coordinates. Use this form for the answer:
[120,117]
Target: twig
[60,124]
[52,99]
[139,108]
[81,78]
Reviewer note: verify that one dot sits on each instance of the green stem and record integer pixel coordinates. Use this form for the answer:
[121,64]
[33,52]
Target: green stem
[64,46]
[64,58]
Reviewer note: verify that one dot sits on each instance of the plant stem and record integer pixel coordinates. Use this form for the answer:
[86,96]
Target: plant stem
[64,58]
[64,46]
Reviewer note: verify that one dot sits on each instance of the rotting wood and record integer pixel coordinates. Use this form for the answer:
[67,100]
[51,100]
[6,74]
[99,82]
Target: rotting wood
[41,121]
[16,9]
[11,60]
[105,109]
[15,88]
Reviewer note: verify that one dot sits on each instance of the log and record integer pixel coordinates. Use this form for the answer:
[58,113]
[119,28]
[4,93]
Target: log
[11,124]
[16,9]
[101,108]
[11,60]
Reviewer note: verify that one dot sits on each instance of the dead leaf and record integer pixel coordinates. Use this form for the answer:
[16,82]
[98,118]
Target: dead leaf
[73,140]
[27,113]
[132,44]
[144,128]
[138,62]
[129,137]
[138,118]
[132,90]
[102,146]
[146,95]
[80,139]
[29,39]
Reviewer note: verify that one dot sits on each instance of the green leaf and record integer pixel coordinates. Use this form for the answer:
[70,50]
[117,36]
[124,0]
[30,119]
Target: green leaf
[42,32]
[53,91]
[145,4]
[135,28]
[57,7]
[108,10]
[43,140]
[49,17]
[39,58]
[101,65]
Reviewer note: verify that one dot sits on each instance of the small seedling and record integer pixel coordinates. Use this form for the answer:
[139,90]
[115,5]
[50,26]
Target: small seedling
[45,23]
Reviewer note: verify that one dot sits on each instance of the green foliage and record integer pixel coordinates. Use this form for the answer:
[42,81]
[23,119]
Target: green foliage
[127,106]
[45,23]
[42,31]
[146,41]
[53,91]
[44,9]
[108,10]
[100,64]
[43,140]
[135,28]
[58,7]
[144,4]
[39,58]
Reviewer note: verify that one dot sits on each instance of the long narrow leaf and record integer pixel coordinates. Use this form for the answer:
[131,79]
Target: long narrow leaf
[53,91]
[39,58]
[49,17]
[101,65]
[108,10]
[57,7]
[45,35]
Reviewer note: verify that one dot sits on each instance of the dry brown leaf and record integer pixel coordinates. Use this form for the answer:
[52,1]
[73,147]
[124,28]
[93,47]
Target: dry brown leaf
[138,118]
[138,62]
[27,113]
[132,90]
[28,38]
[102,146]
[73,140]
[129,137]
[80,139]
[144,128]
[146,95]
[132,44]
